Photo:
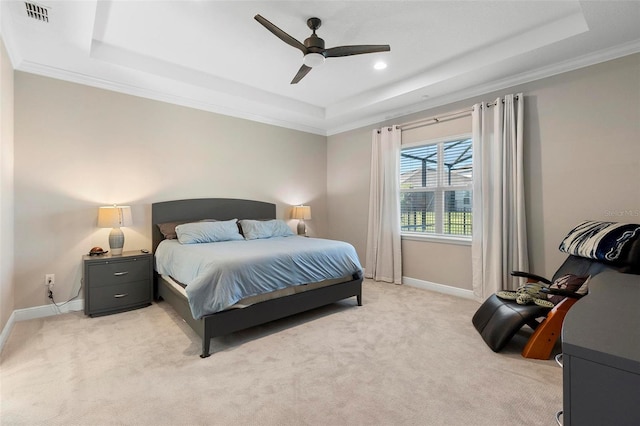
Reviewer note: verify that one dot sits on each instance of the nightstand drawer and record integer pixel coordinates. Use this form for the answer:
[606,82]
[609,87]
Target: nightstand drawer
[119,296]
[110,273]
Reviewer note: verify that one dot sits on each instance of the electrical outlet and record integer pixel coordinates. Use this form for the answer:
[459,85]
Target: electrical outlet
[49,280]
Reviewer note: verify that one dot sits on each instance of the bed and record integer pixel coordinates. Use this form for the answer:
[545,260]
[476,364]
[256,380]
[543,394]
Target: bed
[228,321]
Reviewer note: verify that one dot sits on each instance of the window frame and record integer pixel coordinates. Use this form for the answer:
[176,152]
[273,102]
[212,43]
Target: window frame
[439,192]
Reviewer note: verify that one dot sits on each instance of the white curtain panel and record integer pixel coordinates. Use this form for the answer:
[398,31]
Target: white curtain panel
[384,261]
[499,225]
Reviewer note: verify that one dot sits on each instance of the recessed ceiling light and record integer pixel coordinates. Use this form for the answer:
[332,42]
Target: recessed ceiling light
[380,65]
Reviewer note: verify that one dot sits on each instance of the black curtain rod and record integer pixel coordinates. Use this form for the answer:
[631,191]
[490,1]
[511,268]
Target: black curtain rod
[443,117]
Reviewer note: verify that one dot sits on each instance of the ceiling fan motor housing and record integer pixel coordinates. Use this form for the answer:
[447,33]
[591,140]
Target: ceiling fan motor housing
[314,43]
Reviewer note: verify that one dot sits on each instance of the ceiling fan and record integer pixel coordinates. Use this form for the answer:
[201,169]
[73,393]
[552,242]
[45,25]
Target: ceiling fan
[313,47]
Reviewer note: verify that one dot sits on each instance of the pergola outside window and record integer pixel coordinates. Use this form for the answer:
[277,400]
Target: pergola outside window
[436,185]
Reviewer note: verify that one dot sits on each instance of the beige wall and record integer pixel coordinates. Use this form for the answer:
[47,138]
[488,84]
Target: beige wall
[78,147]
[349,168]
[6,187]
[582,139]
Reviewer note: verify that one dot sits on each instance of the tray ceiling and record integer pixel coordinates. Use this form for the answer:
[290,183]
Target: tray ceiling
[213,55]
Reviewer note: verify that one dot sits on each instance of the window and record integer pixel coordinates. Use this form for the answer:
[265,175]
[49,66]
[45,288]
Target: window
[436,187]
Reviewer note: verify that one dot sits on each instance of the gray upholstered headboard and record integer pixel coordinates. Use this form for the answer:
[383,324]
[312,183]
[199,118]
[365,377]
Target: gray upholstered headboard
[207,208]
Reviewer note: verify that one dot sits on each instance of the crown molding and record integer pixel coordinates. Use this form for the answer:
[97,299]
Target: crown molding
[100,83]
[583,61]
[327,130]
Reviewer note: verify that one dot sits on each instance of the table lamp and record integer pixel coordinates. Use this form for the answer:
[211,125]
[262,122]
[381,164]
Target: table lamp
[115,217]
[302,213]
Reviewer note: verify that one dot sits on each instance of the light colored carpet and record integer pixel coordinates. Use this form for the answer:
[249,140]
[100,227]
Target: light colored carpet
[406,357]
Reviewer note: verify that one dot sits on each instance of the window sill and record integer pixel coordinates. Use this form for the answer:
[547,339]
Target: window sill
[442,239]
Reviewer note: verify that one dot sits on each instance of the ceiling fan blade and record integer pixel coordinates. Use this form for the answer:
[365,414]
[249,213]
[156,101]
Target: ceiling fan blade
[281,34]
[304,70]
[355,50]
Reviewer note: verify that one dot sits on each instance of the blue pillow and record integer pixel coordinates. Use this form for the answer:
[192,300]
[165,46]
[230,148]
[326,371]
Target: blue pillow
[208,232]
[257,229]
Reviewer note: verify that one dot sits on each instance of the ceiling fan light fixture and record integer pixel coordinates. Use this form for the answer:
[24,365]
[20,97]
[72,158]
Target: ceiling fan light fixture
[313,59]
[313,47]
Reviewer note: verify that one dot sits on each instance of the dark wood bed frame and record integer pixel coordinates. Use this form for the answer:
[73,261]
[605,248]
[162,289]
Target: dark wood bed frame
[226,322]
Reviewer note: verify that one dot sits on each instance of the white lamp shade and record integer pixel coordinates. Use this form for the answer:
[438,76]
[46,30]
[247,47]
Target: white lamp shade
[302,212]
[114,216]
[313,59]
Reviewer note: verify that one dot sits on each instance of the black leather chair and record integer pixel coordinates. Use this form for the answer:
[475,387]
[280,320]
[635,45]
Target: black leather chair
[498,320]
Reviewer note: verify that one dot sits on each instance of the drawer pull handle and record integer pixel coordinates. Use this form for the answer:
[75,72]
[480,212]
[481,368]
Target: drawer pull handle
[119,274]
[121,295]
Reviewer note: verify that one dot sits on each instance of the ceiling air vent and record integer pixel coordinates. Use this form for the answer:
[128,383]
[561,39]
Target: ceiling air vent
[36,11]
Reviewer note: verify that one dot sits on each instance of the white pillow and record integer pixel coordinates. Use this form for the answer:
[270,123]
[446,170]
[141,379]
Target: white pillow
[257,229]
[208,232]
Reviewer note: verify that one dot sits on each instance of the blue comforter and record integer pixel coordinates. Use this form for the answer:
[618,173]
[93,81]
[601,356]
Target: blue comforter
[218,275]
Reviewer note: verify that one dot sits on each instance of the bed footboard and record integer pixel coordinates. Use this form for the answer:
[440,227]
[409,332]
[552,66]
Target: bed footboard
[222,323]
[226,322]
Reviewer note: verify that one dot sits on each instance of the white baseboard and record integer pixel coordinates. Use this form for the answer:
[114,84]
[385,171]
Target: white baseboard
[48,310]
[440,288]
[37,312]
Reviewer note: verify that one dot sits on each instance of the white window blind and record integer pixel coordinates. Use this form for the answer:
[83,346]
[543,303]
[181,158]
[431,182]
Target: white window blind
[436,187]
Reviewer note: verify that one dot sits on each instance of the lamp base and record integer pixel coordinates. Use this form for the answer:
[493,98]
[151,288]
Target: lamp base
[302,228]
[116,241]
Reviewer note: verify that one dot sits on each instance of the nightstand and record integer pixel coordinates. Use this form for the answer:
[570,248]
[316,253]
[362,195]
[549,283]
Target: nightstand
[117,283]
